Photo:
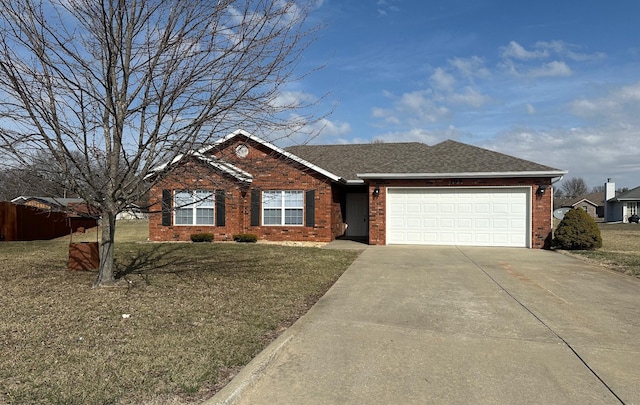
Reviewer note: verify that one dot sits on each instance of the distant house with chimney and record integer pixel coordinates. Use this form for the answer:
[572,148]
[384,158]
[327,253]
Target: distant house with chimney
[621,207]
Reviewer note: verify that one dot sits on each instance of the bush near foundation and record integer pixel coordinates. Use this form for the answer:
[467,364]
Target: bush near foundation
[577,231]
[245,237]
[201,237]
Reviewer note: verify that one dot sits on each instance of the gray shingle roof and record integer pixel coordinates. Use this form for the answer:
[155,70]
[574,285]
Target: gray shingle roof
[630,195]
[595,198]
[447,157]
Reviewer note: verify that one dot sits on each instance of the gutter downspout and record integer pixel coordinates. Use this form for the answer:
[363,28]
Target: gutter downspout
[553,228]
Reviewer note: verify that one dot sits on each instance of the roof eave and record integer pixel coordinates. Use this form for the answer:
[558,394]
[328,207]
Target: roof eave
[353,182]
[421,176]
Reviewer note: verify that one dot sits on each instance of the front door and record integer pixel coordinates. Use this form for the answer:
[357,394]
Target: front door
[357,215]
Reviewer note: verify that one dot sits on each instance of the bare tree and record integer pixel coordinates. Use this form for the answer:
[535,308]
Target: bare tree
[40,175]
[574,187]
[111,88]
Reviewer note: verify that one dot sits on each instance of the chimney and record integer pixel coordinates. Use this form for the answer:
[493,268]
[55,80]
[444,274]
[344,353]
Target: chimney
[609,190]
[609,193]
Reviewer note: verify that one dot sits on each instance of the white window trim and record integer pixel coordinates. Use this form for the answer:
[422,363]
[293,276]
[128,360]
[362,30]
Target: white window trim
[282,207]
[194,207]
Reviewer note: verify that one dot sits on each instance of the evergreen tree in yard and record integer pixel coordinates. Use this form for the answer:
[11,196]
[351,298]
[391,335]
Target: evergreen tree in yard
[577,231]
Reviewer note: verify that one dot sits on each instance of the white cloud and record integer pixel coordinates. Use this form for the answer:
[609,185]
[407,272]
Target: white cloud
[564,49]
[585,152]
[516,51]
[620,103]
[522,62]
[442,80]
[292,99]
[421,106]
[386,6]
[471,67]
[545,49]
[333,128]
[411,108]
[469,97]
[531,110]
[551,69]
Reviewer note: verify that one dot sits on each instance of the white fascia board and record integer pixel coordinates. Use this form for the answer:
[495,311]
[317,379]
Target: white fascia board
[222,166]
[419,176]
[584,200]
[226,167]
[165,165]
[275,149]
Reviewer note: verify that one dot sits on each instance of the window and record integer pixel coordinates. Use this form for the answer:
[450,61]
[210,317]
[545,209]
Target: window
[193,207]
[632,208]
[282,207]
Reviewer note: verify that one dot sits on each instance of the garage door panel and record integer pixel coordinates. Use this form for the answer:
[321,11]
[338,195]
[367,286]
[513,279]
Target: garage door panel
[447,208]
[479,217]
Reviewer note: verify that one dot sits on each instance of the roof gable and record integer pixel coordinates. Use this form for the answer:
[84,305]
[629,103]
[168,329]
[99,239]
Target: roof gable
[246,135]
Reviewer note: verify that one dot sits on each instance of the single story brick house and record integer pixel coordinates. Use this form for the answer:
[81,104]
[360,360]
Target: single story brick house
[382,193]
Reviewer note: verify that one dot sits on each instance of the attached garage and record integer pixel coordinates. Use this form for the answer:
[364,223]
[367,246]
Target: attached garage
[459,216]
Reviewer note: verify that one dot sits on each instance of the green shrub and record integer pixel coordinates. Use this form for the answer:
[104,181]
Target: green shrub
[577,231]
[201,237]
[245,237]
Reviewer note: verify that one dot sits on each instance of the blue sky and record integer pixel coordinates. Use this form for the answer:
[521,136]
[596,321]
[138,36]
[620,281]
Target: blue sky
[556,82]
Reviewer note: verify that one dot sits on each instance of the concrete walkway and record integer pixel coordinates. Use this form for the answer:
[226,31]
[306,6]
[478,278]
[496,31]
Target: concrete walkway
[417,325]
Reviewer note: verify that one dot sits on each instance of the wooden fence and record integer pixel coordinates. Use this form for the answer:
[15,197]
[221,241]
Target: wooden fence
[22,223]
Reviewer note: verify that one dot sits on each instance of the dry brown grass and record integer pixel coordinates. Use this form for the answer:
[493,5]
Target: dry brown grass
[620,248]
[182,319]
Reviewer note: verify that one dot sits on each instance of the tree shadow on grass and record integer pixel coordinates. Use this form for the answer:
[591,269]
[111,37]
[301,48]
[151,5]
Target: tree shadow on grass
[179,260]
[151,260]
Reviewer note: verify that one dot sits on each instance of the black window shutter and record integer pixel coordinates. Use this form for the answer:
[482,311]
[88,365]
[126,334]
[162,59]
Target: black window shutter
[220,207]
[166,207]
[255,207]
[310,204]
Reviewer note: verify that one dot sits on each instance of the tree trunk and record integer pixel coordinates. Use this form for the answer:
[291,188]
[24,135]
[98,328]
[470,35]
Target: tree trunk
[106,273]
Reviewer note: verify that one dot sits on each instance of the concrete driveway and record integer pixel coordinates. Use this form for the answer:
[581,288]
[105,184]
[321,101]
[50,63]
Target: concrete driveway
[460,325]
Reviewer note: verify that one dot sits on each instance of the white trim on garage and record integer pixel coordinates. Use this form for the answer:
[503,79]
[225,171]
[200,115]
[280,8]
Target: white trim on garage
[466,216]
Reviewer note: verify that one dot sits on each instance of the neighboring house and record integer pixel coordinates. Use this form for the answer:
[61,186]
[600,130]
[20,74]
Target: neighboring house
[592,204]
[383,193]
[47,203]
[132,211]
[620,207]
[73,207]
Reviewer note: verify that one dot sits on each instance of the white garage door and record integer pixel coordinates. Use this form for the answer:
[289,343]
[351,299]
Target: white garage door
[458,216]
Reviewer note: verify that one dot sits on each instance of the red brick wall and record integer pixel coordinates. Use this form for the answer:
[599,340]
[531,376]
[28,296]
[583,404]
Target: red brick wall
[270,172]
[541,222]
[191,176]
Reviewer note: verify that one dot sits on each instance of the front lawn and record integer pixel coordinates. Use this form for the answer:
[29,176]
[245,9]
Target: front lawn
[182,320]
[620,248]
